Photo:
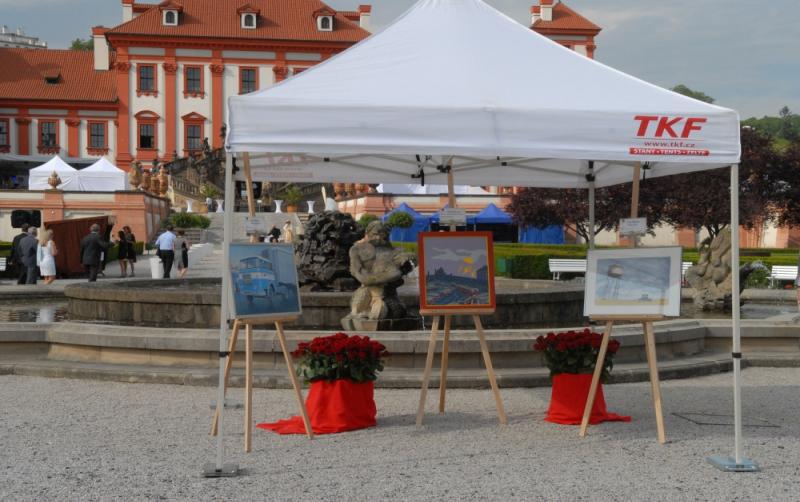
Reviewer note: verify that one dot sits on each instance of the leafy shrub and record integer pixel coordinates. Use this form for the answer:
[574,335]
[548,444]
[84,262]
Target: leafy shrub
[366,219]
[188,220]
[400,219]
[758,279]
[209,190]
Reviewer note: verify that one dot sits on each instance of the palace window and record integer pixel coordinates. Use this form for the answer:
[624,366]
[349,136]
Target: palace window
[248,80]
[193,81]
[146,81]
[48,134]
[98,143]
[325,23]
[170,18]
[193,132]
[4,133]
[193,139]
[147,136]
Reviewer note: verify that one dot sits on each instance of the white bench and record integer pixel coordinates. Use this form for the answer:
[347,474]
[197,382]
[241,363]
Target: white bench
[3,263]
[557,266]
[782,273]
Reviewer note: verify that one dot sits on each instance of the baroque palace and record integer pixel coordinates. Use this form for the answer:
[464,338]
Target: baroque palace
[156,85]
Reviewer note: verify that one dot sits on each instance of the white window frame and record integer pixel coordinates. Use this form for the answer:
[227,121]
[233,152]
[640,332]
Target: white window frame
[245,15]
[164,18]
[330,23]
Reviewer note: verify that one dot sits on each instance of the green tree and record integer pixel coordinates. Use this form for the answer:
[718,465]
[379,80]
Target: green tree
[682,89]
[80,44]
[788,131]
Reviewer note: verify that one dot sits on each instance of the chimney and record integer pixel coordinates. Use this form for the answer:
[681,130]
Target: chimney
[364,12]
[547,10]
[127,10]
[535,14]
[101,59]
[4,29]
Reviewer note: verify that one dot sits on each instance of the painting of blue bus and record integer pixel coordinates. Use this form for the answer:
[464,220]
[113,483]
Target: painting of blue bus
[264,280]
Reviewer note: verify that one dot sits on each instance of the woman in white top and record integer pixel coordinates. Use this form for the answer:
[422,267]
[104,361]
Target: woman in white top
[45,254]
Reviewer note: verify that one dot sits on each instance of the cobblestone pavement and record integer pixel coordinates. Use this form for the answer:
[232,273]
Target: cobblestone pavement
[87,440]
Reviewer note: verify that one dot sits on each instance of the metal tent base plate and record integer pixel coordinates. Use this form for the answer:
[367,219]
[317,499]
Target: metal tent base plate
[728,464]
[228,471]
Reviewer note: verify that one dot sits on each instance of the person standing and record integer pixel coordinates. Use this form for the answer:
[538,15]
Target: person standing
[166,249]
[288,232]
[131,248]
[16,258]
[182,246]
[28,255]
[92,248]
[46,256]
[274,234]
[122,253]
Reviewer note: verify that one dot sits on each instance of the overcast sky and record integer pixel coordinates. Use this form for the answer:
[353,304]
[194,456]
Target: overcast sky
[744,53]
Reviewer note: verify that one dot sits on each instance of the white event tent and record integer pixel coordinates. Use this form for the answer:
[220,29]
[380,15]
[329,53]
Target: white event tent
[455,85]
[427,189]
[38,176]
[103,176]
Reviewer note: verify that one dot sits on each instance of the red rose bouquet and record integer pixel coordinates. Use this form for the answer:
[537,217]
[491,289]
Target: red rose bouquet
[340,356]
[575,352]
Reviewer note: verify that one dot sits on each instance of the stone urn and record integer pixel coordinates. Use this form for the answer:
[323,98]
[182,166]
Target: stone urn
[155,185]
[189,208]
[291,208]
[350,188]
[362,188]
[310,206]
[220,205]
[135,176]
[146,180]
[163,180]
[278,204]
[54,181]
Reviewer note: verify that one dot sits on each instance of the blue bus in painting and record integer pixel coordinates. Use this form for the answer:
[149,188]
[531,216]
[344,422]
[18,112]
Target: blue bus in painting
[255,277]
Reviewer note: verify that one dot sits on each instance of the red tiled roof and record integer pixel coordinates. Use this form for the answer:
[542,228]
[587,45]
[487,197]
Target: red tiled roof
[25,71]
[565,18]
[278,20]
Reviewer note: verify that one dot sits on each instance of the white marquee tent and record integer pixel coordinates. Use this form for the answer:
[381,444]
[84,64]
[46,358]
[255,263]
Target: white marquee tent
[38,176]
[428,189]
[103,176]
[456,84]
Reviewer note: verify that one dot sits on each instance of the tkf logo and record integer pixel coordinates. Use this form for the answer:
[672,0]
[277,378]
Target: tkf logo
[668,125]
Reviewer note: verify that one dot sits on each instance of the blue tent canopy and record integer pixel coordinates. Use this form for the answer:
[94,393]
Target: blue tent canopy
[420,223]
[552,234]
[492,215]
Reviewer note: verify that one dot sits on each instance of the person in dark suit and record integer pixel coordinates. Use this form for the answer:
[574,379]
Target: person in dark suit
[15,258]
[28,247]
[92,248]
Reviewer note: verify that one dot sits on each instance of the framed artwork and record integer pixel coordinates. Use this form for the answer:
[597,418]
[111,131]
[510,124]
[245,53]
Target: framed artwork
[263,281]
[456,271]
[634,281]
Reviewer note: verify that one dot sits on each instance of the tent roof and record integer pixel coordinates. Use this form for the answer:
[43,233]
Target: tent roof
[103,166]
[493,214]
[54,164]
[445,84]
[428,189]
[406,209]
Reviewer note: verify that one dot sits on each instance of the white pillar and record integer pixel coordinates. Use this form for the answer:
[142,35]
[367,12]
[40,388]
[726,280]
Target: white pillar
[735,311]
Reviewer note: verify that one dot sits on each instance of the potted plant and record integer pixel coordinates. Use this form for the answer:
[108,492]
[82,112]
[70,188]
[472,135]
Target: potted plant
[292,196]
[571,358]
[341,370]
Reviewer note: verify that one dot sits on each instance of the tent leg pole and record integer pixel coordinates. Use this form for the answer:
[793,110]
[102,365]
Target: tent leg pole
[738,463]
[219,468]
[591,215]
[451,192]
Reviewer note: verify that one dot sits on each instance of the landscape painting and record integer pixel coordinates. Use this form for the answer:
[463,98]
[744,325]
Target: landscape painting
[639,281]
[456,271]
[264,281]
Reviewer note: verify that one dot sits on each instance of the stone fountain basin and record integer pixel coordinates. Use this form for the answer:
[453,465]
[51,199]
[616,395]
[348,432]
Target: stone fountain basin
[195,303]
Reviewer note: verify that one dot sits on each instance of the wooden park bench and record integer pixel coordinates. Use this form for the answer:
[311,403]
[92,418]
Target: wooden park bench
[557,266]
[782,273]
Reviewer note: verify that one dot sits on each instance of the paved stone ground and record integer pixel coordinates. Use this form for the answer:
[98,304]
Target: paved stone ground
[82,440]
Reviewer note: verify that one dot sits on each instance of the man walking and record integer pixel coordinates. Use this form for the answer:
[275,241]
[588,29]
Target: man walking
[92,248]
[16,258]
[28,246]
[166,249]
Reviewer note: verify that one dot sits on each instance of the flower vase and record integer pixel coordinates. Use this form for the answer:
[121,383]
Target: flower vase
[568,399]
[333,406]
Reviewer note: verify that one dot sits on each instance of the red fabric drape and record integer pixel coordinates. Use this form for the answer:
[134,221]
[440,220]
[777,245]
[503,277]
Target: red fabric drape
[568,398]
[338,406]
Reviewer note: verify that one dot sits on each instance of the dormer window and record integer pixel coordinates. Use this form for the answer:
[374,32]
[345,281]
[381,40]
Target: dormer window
[170,18]
[325,23]
[249,21]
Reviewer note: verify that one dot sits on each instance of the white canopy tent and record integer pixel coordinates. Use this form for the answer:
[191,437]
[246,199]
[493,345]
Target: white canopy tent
[103,176]
[417,189]
[455,89]
[38,176]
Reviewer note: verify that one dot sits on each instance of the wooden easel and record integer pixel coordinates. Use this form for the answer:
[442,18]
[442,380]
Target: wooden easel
[248,324]
[487,359]
[650,349]
[648,335]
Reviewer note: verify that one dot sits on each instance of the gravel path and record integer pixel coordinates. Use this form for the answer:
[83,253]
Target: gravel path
[86,440]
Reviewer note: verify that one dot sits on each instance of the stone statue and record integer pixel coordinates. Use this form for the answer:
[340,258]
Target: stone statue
[379,268]
[711,277]
[135,174]
[54,180]
[322,252]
